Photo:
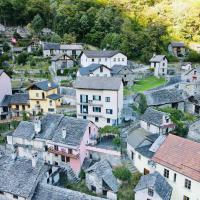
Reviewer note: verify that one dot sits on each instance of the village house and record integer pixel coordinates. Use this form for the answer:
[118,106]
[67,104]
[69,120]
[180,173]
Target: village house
[178,161]
[153,186]
[94,70]
[100,179]
[159,64]
[5,89]
[68,95]
[99,99]
[62,61]
[33,46]
[107,58]
[193,104]
[43,97]
[192,75]
[46,31]
[173,98]
[53,49]
[19,176]
[58,139]
[156,121]
[124,72]
[177,49]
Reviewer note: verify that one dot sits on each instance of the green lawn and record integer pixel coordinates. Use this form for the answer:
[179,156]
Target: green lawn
[143,85]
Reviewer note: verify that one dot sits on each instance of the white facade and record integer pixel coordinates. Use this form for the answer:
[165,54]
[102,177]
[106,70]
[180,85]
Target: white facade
[117,59]
[143,195]
[160,68]
[106,111]
[179,190]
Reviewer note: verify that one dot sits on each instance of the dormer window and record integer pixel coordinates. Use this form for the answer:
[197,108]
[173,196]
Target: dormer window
[114,59]
[150,192]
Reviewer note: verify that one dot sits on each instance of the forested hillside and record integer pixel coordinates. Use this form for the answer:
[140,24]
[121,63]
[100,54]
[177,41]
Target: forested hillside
[136,27]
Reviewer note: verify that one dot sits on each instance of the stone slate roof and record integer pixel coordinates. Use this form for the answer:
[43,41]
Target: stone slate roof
[44,85]
[71,46]
[1,71]
[68,91]
[19,98]
[154,117]
[157,183]
[18,49]
[54,96]
[177,44]
[51,129]
[144,150]
[6,100]
[89,69]
[54,46]
[103,171]
[50,192]
[100,54]
[157,58]
[117,68]
[18,177]
[57,57]
[98,83]
[197,69]
[165,96]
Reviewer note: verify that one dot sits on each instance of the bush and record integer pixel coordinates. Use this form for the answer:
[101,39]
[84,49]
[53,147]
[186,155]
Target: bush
[82,174]
[142,104]
[122,173]
[22,58]
[113,130]
[193,56]
[116,141]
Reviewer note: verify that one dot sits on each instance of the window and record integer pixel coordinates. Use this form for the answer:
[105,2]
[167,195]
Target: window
[109,111]
[104,192]
[37,94]
[195,72]
[83,98]
[99,59]
[150,192]
[38,102]
[50,103]
[15,197]
[167,120]
[84,117]
[163,70]
[108,120]
[83,109]
[67,159]
[69,151]
[114,59]
[96,98]
[93,188]
[51,109]
[139,157]
[122,59]
[50,171]
[187,184]
[174,177]
[106,59]
[107,99]
[1,193]
[166,173]
[63,158]
[43,95]
[96,119]
[101,69]
[186,198]
[92,59]
[96,109]
[56,147]
[118,59]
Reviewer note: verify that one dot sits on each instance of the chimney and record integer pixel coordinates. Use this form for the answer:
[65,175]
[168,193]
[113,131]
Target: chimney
[49,84]
[37,125]
[34,159]
[64,133]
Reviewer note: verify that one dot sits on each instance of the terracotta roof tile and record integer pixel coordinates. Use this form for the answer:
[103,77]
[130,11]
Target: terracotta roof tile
[181,155]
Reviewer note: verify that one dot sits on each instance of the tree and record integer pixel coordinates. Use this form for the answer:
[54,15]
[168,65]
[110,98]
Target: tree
[122,173]
[37,23]
[22,58]
[142,104]
[69,38]
[6,47]
[56,38]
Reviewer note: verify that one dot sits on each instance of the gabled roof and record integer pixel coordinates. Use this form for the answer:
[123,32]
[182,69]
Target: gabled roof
[153,116]
[98,83]
[51,192]
[49,46]
[71,47]
[180,155]
[44,85]
[90,68]
[19,177]
[54,96]
[6,100]
[165,96]
[117,68]
[177,44]
[103,171]
[156,182]
[157,58]
[100,54]
[19,98]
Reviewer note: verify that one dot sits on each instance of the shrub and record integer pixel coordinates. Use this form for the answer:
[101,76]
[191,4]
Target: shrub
[122,173]
[142,104]
[22,58]
[113,130]
[116,141]
[82,174]
[193,56]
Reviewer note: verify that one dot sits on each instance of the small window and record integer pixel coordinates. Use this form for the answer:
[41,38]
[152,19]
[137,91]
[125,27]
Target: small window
[38,102]
[122,59]
[187,184]
[108,120]
[84,117]
[63,158]
[67,159]
[15,197]
[107,99]
[186,198]
[93,188]
[139,157]
[89,130]
[106,59]
[150,192]
[174,177]
[92,59]
[69,151]
[50,103]
[109,111]
[56,147]
[96,98]
[96,109]
[37,94]
[101,69]
[96,119]
[114,59]
[166,173]
[50,171]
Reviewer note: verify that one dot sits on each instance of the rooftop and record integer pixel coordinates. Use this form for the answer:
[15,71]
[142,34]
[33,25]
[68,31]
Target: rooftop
[100,54]
[157,183]
[19,98]
[153,116]
[54,96]
[117,68]
[157,58]
[98,83]
[177,44]
[48,46]
[44,85]
[181,155]
[103,171]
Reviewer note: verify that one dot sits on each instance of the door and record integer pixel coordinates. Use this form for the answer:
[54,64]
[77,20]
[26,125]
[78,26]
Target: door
[146,171]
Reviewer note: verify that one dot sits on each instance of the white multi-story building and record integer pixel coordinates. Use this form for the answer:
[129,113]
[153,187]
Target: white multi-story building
[159,64]
[99,99]
[178,160]
[107,58]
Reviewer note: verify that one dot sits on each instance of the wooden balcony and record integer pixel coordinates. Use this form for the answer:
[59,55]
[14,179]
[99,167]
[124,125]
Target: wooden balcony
[62,153]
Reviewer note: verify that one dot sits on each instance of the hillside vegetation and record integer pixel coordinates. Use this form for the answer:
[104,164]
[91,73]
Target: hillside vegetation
[138,28]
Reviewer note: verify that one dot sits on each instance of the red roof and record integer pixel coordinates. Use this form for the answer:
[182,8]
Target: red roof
[181,155]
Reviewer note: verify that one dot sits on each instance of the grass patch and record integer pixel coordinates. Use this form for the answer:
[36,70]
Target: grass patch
[144,84]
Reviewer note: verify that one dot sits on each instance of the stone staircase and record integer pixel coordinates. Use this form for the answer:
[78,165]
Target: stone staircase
[71,176]
[127,162]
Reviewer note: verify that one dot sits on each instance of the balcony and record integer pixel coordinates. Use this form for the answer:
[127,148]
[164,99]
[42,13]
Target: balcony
[62,153]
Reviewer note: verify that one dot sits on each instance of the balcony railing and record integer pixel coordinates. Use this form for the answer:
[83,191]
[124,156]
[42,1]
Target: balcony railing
[62,153]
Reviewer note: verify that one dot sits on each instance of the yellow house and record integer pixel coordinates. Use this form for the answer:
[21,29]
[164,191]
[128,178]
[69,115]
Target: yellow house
[44,97]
